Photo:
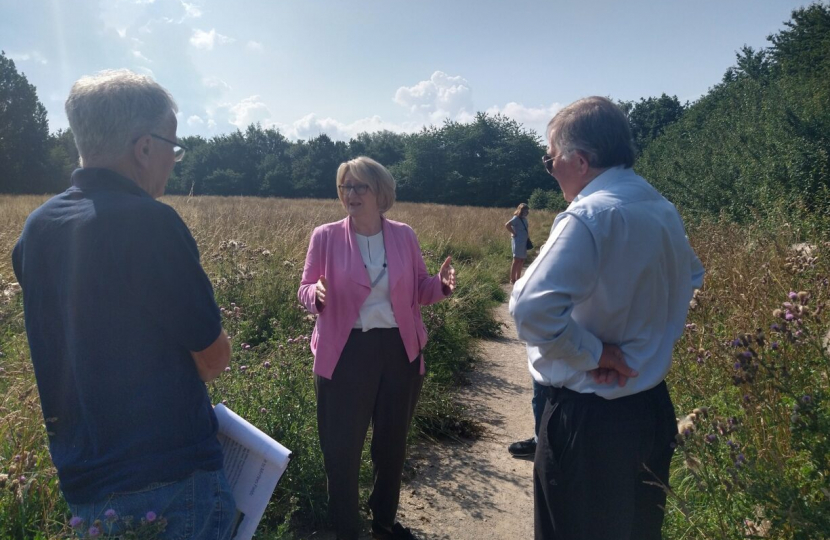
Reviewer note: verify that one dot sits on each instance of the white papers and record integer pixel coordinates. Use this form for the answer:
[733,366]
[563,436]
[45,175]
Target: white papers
[254,463]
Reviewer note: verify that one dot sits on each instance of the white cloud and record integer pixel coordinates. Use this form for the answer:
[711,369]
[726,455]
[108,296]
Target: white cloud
[442,96]
[249,111]
[191,11]
[535,118]
[207,40]
[311,125]
[137,54]
[254,45]
[33,56]
[195,120]
[215,82]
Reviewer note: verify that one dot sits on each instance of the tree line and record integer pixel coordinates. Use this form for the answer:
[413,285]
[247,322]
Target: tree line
[759,137]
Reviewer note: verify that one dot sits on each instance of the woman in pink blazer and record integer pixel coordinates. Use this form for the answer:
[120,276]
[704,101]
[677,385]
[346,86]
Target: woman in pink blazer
[365,279]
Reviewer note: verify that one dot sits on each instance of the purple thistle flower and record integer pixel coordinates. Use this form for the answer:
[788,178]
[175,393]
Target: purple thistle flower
[111,515]
[243,368]
[267,364]
[747,354]
[774,345]
[94,532]
[806,399]
[151,516]
[792,295]
[789,316]
[711,438]
[775,328]
[736,342]
[737,365]
[227,369]
[76,522]
[798,333]
[245,347]
[741,458]
[263,410]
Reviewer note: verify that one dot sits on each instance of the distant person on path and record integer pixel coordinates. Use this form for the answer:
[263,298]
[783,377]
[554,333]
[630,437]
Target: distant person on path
[365,279]
[122,324]
[600,310]
[518,229]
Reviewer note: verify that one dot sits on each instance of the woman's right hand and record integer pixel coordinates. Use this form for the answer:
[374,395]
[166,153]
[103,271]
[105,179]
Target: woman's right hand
[320,292]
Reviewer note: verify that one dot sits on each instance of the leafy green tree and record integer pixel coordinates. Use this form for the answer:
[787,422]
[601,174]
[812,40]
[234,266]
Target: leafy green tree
[650,117]
[24,133]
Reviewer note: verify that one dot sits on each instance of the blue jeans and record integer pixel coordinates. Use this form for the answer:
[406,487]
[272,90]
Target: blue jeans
[200,507]
[538,404]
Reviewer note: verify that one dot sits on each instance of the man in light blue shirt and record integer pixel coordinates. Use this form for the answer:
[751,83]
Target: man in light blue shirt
[600,310]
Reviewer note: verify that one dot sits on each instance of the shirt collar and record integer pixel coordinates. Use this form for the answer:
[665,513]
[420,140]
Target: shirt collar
[95,179]
[600,182]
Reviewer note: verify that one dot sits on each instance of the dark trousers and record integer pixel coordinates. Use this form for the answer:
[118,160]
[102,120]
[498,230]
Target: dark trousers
[374,381]
[596,463]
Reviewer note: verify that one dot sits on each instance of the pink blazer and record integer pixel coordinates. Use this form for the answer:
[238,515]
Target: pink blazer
[333,252]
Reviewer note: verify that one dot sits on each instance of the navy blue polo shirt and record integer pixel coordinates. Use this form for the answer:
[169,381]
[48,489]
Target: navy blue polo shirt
[115,298]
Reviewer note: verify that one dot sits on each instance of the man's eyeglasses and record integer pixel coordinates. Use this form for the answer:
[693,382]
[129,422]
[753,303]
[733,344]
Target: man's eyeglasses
[178,148]
[360,189]
[548,161]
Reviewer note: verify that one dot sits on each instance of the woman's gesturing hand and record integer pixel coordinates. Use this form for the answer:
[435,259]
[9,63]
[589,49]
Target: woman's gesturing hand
[320,292]
[447,274]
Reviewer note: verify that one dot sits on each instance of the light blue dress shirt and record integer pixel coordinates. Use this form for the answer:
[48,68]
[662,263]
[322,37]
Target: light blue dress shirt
[617,268]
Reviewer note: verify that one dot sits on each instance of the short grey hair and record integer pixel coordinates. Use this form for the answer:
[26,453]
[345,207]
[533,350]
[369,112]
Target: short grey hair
[597,128]
[109,110]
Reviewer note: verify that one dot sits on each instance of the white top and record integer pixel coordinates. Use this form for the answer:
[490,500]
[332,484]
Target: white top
[376,311]
[617,268]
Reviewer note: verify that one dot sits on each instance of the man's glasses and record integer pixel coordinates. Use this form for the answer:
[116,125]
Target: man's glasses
[548,161]
[178,148]
[360,189]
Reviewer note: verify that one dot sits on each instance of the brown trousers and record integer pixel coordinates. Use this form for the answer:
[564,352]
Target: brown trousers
[374,381]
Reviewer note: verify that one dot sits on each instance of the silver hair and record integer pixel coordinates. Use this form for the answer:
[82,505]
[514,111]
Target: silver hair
[109,110]
[597,128]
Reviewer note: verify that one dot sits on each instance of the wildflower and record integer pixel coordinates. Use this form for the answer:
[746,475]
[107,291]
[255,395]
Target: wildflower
[263,410]
[243,368]
[777,313]
[245,346]
[227,369]
[747,354]
[737,365]
[94,532]
[798,333]
[803,296]
[151,516]
[775,328]
[774,345]
[111,515]
[741,459]
[711,438]
[76,522]
[266,364]
[806,399]
[789,316]
[224,402]
[792,295]
[736,342]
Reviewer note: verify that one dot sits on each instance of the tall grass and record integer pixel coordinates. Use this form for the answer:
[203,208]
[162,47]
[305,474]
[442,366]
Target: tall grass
[253,250]
[750,376]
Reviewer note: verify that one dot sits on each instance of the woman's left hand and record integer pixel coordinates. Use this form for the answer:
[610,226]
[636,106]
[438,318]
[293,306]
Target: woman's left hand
[447,274]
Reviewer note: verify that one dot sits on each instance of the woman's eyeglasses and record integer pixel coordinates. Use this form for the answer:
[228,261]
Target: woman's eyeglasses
[360,189]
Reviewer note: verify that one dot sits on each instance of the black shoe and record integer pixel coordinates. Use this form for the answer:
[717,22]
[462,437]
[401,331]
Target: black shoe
[523,448]
[398,532]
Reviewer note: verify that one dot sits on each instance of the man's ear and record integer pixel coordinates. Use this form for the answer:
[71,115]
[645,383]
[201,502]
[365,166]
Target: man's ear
[582,162]
[141,150]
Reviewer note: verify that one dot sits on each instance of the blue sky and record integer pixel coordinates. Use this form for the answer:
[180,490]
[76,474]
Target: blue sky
[345,66]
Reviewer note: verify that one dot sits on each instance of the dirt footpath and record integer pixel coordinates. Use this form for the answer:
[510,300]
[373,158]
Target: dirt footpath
[476,490]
